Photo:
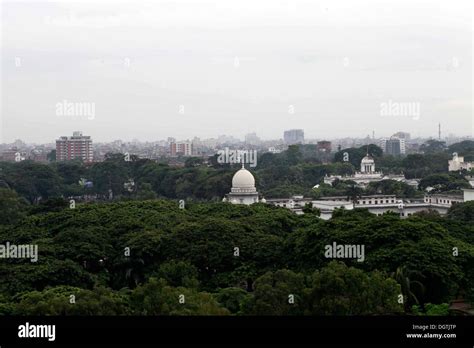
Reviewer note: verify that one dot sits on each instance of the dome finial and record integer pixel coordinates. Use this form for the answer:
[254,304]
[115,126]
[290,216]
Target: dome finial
[243,165]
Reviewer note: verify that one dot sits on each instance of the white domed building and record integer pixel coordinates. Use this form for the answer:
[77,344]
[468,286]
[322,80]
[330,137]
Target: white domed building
[367,165]
[243,188]
[368,174]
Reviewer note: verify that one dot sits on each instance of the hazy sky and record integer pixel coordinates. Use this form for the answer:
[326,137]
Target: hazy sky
[154,69]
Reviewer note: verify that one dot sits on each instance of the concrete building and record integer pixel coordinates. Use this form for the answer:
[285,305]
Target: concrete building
[367,174]
[457,163]
[376,204]
[293,136]
[76,147]
[468,195]
[181,149]
[394,146]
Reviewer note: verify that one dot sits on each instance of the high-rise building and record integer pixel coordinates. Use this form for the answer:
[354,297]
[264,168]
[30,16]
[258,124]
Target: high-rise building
[252,139]
[393,146]
[181,149]
[76,147]
[293,136]
[402,135]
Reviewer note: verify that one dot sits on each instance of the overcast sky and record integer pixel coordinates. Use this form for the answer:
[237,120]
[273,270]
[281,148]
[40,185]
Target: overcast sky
[154,69]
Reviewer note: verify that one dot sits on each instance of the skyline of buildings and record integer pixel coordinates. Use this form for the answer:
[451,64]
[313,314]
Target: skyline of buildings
[400,143]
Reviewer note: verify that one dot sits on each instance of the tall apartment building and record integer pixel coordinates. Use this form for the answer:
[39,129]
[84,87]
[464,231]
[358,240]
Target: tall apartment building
[293,136]
[78,146]
[181,149]
[393,146]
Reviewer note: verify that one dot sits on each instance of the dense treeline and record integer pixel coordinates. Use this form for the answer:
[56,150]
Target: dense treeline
[295,171]
[153,258]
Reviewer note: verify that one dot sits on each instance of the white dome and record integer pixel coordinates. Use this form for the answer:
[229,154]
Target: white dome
[243,179]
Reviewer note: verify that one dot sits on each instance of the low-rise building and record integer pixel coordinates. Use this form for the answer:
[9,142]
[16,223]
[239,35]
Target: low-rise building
[457,163]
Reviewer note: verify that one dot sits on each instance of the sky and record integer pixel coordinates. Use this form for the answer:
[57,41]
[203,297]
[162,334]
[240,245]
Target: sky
[149,70]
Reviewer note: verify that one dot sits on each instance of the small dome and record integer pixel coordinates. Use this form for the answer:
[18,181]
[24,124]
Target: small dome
[243,179]
[263,200]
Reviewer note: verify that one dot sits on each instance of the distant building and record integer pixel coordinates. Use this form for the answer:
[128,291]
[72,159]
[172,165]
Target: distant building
[76,147]
[393,146]
[181,149]
[457,163]
[367,175]
[293,136]
[273,149]
[468,195]
[13,155]
[375,204]
[39,155]
[402,135]
[252,139]
[323,146]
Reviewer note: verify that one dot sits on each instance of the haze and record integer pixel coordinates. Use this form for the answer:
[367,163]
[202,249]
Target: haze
[156,69]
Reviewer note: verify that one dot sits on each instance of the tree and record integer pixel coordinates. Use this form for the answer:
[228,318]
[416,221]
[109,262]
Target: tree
[156,297]
[404,277]
[341,290]
[444,182]
[34,181]
[462,212]
[233,299]
[178,273]
[353,193]
[145,192]
[51,156]
[277,293]
[68,300]
[12,207]
[432,146]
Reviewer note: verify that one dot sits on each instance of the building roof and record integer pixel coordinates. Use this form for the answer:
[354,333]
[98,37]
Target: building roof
[243,179]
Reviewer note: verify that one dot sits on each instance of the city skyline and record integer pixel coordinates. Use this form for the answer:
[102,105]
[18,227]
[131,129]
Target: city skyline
[370,135]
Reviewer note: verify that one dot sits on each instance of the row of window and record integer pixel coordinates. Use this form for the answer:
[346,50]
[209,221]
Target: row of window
[377,202]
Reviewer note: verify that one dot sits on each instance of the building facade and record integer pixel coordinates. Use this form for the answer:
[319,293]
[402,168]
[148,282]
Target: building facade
[457,163]
[368,174]
[181,149]
[293,136]
[394,146]
[76,147]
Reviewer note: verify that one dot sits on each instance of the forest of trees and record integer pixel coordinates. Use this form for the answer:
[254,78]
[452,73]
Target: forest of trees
[153,258]
[136,252]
